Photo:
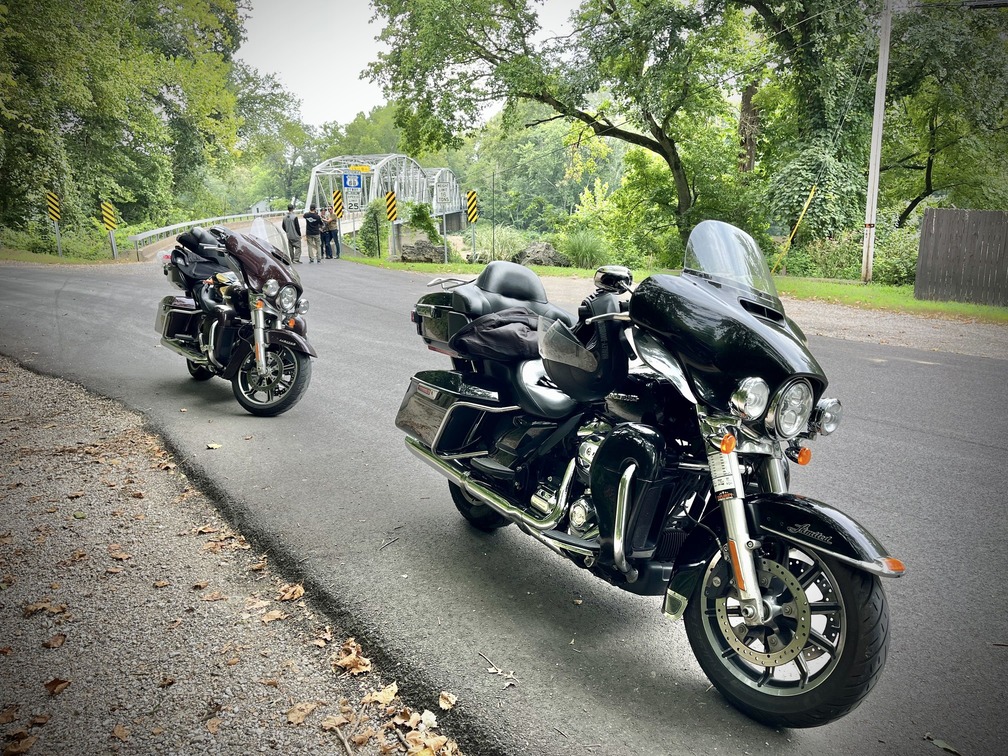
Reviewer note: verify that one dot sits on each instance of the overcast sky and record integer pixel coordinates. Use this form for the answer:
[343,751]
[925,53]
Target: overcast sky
[318,48]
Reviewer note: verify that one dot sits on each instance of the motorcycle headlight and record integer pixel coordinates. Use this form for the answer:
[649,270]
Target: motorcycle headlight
[271,287]
[287,298]
[790,410]
[750,398]
[826,418]
[302,306]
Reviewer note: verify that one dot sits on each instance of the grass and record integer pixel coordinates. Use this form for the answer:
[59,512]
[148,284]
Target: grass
[851,293]
[18,255]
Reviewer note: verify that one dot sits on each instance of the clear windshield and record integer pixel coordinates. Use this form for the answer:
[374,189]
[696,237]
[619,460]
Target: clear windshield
[728,255]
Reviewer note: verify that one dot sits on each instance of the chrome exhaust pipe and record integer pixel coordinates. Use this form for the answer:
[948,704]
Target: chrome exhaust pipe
[492,499]
[190,354]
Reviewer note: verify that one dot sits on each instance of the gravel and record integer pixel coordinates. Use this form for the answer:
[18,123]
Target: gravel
[135,621]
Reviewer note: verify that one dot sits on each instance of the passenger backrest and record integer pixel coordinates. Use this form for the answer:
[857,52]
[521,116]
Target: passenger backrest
[502,285]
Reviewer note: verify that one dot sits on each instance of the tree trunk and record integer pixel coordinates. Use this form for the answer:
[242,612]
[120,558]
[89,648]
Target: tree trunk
[748,129]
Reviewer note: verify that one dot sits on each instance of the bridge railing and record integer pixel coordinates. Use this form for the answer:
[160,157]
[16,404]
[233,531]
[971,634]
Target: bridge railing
[148,237]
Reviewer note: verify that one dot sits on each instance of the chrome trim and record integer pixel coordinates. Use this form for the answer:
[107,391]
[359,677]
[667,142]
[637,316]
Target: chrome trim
[771,412]
[212,346]
[492,499]
[465,405]
[658,358]
[190,354]
[621,316]
[619,527]
[259,339]
[561,546]
[873,568]
[774,478]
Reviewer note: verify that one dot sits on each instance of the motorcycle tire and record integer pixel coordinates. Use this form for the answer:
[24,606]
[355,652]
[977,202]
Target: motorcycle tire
[288,374]
[819,654]
[199,372]
[479,515]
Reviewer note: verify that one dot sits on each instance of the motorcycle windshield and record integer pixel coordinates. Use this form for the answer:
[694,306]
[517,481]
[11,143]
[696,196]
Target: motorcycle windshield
[726,254]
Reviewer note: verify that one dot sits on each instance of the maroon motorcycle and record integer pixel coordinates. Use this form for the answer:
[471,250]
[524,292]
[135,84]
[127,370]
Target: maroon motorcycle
[242,317]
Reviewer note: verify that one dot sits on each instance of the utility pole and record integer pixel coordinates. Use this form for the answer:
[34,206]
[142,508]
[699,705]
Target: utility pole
[871,206]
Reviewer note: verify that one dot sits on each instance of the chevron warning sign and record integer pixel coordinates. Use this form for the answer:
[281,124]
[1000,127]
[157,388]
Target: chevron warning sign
[390,206]
[53,206]
[337,203]
[472,208]
[108,215]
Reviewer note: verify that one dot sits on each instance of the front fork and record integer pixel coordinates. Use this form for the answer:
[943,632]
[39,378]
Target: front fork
[259,336]
[726,479]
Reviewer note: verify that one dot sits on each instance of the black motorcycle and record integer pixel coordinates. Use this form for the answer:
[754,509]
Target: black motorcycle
[650,442]
[242,317]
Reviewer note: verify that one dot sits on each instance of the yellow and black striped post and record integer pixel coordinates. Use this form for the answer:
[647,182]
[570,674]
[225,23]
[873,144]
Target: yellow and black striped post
[109,219]
[472,208]
[472,215]
[337,203]
[390,206]
[53,208]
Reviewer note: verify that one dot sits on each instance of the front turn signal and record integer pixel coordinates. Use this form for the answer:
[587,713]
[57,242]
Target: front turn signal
[804,456]
[893,566]
[728,444]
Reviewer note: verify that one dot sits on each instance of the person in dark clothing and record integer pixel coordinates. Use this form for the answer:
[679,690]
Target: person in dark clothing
[334,230]
[292,227]
[313,233]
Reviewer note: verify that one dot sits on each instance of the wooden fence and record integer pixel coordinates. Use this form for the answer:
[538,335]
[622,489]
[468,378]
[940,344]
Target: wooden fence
[963,257]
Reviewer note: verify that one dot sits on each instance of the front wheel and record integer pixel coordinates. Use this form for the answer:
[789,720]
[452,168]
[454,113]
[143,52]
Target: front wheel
[287,376]
[820,651]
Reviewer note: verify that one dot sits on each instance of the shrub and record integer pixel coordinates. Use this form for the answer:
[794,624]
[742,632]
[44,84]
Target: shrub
[502,243]
[375,226]
[895,259]
[585,249]
[81,244]
[418,217]
[836,257]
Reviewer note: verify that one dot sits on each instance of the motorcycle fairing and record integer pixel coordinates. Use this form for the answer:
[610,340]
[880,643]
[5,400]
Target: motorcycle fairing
[721,337]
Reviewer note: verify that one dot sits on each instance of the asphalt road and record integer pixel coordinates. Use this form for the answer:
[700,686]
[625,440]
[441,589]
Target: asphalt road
[374,535]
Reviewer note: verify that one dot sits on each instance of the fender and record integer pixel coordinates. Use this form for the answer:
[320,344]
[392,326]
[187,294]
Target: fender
[822,528]
[291,339]
[802,521]
[243,348]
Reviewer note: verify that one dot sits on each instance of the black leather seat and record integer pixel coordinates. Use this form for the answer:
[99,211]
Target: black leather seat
[504,284]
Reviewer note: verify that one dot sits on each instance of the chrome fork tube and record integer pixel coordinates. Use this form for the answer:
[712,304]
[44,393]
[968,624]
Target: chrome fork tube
[726,478]
[259,336]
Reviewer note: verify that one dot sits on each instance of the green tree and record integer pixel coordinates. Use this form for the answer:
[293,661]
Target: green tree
[641,73]
[946,130]
[114,100]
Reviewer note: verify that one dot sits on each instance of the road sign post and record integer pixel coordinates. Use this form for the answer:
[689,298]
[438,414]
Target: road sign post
[53,207]
[472,215]
[109,220]
[442,192]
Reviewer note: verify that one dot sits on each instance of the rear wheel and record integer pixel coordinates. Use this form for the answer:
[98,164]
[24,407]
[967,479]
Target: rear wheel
[820,651]
[479,515]
[199,372]
[287,376]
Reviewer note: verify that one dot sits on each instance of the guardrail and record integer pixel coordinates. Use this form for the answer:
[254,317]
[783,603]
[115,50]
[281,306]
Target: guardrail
[160,233]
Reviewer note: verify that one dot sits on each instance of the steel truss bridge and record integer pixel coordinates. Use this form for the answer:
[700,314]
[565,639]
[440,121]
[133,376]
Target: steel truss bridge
[364,178]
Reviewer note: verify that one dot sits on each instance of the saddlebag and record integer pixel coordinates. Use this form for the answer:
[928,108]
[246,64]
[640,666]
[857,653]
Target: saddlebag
[176,316]
[444,408]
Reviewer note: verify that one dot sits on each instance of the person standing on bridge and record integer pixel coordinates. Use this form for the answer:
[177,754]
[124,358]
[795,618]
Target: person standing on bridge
[292,227]
[313,232]
[333,226]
